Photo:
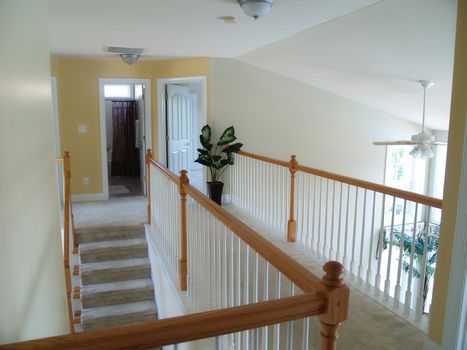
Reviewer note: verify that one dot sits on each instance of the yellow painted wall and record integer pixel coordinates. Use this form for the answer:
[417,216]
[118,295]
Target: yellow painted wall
[78,103]
[453,173]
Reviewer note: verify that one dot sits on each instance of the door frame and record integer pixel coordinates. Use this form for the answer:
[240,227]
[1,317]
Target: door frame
[454,333]
[102,122]
[161,110]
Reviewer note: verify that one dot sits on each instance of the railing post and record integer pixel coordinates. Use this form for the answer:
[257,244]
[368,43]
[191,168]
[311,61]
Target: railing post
[292,224]
[337,309]
[66,236]
[184,181]
[148,183]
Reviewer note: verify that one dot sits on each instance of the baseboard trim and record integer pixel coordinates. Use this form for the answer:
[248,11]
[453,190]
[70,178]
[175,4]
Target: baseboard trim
[431,345]
[92,197]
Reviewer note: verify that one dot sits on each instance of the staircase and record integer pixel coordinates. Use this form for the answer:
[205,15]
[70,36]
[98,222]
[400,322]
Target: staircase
[116,286]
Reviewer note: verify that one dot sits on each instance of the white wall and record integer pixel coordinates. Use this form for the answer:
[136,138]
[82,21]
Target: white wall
[278,116]
[32,287]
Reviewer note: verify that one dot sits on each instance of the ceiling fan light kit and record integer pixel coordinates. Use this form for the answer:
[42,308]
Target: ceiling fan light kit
[422,150]
[256,8]
[422,141]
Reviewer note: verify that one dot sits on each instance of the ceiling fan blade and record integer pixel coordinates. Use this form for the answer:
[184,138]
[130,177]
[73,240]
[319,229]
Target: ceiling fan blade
[391,143]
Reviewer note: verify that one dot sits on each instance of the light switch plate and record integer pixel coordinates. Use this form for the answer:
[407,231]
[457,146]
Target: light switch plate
[85,181]
[82,129]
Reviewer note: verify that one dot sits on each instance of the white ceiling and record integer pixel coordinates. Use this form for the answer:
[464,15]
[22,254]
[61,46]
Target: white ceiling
[376,56]
[371,51]
[177,28]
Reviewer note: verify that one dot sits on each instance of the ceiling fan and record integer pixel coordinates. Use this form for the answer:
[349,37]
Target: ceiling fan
[422,141]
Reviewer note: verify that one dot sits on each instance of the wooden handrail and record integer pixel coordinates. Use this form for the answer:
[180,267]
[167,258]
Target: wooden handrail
[298,274]
[166,171]
[265,159]
[185,328]
[66,236]
[410,196]
[295,272]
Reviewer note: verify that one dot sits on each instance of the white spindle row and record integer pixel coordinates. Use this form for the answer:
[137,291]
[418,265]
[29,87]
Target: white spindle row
[376,236]
[165,212]
[224,271]
[261,190]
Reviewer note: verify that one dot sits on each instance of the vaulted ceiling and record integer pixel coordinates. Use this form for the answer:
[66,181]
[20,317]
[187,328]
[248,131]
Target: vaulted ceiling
[369,51]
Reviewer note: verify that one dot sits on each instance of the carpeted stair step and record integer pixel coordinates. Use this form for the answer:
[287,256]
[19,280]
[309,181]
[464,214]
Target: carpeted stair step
[109,233]
[113,293]
[113,250]
[115,270]
[114,315]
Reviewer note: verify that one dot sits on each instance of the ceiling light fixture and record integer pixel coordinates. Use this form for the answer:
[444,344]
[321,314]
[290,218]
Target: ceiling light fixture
[129,55]
[129,58]
[256,8]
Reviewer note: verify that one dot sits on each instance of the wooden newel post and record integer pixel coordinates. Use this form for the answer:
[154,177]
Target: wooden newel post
[337,308]
[148,182]
[292,224]
[184,181]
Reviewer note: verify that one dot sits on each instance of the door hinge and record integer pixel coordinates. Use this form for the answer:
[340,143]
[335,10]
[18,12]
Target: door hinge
[144,138]
[167,137]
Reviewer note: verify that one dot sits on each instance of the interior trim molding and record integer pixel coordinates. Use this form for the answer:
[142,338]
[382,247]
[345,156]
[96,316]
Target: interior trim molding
[91,197]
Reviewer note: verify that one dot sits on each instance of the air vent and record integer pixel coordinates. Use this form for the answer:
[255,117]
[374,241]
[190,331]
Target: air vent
[123,50]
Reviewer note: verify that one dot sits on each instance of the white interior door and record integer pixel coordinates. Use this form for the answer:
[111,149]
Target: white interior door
[179,114]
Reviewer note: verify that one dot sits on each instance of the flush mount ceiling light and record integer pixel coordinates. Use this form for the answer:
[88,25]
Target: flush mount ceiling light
[256,8]
[129,58]
[129,55]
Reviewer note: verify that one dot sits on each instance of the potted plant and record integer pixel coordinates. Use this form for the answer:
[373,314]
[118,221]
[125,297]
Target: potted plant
[217,158]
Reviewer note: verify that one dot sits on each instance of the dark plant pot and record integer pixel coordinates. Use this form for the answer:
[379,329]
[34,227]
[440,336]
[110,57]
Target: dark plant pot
[215,191]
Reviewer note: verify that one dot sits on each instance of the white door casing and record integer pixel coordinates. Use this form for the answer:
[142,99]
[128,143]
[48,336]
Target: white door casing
[142,139]
[103,133]
[179,129]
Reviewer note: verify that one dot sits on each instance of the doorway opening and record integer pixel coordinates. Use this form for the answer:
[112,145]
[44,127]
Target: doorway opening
[182,103]
[125,116]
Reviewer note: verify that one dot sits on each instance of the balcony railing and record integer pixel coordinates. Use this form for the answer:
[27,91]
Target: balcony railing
[344,219]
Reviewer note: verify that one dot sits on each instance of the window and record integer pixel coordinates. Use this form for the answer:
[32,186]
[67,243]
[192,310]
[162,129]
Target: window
[405,173]
[118,91]
[138,91]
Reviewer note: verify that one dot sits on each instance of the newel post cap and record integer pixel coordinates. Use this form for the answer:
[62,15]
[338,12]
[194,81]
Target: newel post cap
[333,274]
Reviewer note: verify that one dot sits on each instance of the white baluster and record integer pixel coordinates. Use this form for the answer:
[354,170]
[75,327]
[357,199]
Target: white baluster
[380,247]
[325,233]
[354,240]
[331,250]
[421,289]
[345,261]
[372,233]
[338,250]
[387,283]
[362,240]
[397,291]
[277,327]
[266,298]
[408,293]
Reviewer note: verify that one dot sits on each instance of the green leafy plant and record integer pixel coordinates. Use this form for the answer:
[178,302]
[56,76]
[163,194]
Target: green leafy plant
[418,251]
[217,158]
